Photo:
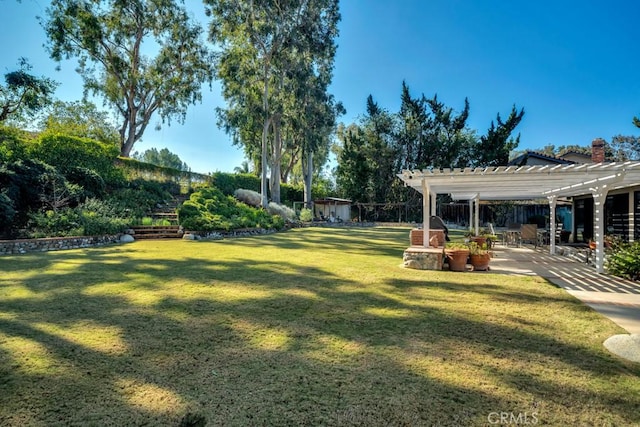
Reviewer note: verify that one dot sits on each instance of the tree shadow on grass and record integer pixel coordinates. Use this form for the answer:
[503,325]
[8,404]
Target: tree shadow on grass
[253,341]
[386,241]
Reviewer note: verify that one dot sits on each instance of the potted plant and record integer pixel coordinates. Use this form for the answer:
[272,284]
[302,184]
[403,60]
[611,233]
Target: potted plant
[456,254]
[479,256]
[483,238]
[491,239]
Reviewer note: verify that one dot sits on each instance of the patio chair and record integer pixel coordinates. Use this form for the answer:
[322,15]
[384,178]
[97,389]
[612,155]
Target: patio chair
[512,235]
[529,233]
[492,231]
[558,232]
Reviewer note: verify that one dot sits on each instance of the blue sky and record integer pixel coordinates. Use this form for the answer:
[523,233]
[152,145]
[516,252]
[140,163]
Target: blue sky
[572,65]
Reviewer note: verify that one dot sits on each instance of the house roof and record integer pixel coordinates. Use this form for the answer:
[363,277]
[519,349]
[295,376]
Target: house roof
[575,153]
[524,182]
[521,160]
[332,201]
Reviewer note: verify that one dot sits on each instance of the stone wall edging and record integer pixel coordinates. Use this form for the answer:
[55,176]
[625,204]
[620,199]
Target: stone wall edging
[23,246]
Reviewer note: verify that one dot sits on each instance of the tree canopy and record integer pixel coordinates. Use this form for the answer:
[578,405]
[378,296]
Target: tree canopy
[82,119]
[495,146]
[424,134]
[142,56]
[23,93]
[163,158]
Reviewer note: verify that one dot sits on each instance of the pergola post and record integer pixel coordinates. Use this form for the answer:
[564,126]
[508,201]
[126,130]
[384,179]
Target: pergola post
[599,199]
[470,214]
[552,224]
[426,232]
[476,202]
[433,203]
[632,219]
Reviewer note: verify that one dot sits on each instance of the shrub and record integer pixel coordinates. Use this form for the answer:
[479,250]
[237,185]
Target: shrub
[624,260]
[306,215]
[140,197]
[250,197]
[13,145]
[277,223]
[7,211]
[50,223]
[92,218]
[209,210]
[283,211]
[31,185]
[67,152]
[91,182]
[228,183]
[100,217]
[291,193]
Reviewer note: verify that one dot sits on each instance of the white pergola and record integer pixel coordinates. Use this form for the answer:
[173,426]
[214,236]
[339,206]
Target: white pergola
[549,182]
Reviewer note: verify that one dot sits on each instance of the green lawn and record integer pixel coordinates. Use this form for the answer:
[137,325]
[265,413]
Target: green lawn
[306,327]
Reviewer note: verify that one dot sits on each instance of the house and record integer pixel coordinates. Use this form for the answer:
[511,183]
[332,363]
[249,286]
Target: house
[578,216]
[529,158]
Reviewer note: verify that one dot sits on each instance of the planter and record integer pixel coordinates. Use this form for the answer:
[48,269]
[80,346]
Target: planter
[480,262]
[457,259]
[416,237]
[480,240]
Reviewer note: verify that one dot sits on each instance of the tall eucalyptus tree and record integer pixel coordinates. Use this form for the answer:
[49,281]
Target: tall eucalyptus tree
[265,50]
[142,56]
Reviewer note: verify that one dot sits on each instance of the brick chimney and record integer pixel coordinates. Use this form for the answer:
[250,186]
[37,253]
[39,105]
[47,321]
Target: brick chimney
[597,150]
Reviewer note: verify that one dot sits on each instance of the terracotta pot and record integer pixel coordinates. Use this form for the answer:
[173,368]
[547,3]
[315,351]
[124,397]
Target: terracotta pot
[480,262]
[457,259]
[480,240]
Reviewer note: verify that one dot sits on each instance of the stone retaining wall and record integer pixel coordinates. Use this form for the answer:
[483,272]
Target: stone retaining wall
[423,258]
[23,246]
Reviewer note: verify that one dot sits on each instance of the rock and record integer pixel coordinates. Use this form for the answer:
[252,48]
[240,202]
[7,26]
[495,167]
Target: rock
[126,238]
[189,236]
[624,345]
[412,264]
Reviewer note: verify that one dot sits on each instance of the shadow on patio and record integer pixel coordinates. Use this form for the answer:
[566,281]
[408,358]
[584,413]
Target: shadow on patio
[616,298]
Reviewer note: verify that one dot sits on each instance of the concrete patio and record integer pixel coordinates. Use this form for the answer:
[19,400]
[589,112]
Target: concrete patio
[613,297]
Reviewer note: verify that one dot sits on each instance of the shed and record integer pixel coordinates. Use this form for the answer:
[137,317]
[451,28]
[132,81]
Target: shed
[332,207]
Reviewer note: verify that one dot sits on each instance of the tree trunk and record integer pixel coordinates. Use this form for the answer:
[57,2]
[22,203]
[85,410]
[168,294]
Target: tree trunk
[276,158]
[284,175]
[265,131]
[307,174]
[125,150]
